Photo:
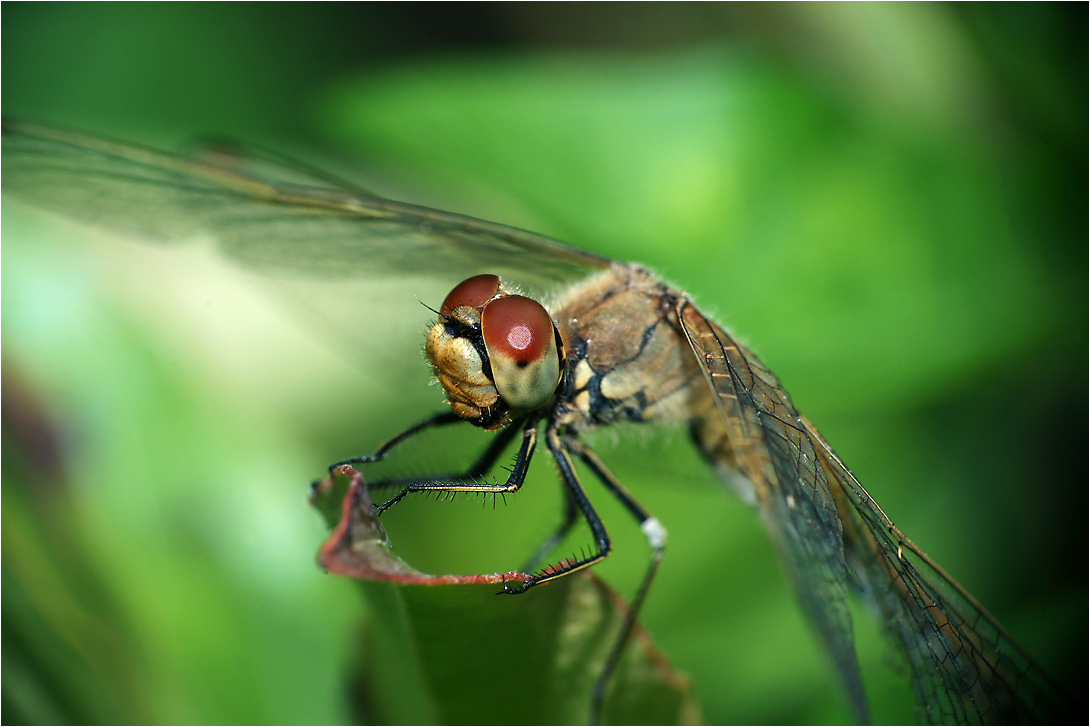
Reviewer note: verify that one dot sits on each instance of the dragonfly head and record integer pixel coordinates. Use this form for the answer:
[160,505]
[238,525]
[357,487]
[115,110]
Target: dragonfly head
[496,354]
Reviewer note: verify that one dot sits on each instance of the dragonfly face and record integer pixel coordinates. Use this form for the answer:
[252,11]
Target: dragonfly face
[494,353]
[615,345]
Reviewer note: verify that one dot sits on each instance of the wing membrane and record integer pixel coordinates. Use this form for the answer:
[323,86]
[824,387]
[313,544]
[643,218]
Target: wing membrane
[828,529]
[321,230]
[333,249]
[754,429]
[965,667]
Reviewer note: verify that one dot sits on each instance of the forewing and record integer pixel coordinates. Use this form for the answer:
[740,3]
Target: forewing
[354,258]
[753,428]
[965,668]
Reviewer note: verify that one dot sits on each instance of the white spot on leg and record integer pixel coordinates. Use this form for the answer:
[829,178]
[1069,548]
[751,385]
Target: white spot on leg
[655,532]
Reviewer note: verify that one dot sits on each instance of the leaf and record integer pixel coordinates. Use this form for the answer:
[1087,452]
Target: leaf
[454,649]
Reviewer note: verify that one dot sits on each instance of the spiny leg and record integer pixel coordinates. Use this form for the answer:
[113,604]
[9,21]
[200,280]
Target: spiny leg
[436,420]
[514,479]
[479,469]
[656,538]
[582,503]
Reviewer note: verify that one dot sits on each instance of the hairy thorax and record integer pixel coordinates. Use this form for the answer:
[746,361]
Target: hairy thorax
[628,358]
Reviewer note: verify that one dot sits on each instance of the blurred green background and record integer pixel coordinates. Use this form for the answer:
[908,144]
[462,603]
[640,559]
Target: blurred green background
[887,202]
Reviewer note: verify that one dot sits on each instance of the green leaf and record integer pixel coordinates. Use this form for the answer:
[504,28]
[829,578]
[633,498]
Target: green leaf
[453,649]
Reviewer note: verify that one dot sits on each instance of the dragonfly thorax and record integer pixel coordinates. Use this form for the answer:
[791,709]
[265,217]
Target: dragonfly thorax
[494,353]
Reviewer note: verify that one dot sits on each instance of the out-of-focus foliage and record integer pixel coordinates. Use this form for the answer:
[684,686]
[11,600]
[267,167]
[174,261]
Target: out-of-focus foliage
[887,202]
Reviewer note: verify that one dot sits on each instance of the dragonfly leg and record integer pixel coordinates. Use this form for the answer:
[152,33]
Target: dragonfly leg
[559,451]
[514,479]
[481,468]
[436,420]
[656,538]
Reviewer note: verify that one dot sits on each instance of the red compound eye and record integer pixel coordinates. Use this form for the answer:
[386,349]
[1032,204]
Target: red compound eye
[473,292]
[517,327]
[521,342]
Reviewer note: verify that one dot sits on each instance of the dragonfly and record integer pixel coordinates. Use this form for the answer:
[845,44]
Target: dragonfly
[539,340]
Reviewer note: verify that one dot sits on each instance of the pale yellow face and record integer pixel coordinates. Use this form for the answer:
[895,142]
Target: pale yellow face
[494,353]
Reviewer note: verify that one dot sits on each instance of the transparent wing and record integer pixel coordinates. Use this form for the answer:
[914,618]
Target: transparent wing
[336,248]
[265,165]
[965,668]
[753,428]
